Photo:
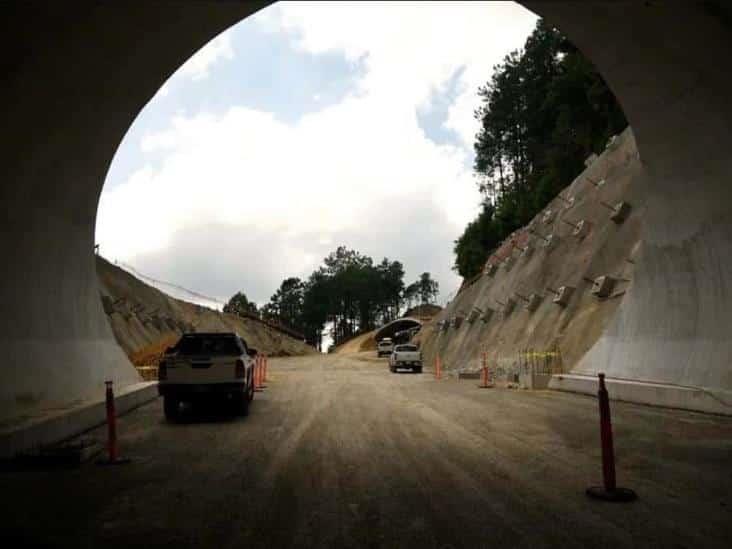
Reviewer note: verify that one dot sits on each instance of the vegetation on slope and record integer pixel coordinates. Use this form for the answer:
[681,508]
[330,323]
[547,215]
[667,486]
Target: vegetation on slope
[544,111]
[349,291]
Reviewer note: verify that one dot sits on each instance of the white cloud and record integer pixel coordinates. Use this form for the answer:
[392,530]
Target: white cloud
[360,173]
[410,50]
[197,67]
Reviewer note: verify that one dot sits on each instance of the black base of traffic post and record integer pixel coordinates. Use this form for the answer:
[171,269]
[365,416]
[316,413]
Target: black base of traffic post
[619,495]
[116,461]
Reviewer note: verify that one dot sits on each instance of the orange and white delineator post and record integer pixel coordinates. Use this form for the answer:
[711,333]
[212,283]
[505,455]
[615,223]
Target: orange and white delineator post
[258,373]
[113,457]
[609,491]
[484,379]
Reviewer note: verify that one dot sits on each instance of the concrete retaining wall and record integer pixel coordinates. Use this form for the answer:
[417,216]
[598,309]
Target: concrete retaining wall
[656,394]
[58,426]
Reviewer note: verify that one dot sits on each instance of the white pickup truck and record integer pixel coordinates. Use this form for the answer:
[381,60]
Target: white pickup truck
[214,365]
[384,347]
[406,356]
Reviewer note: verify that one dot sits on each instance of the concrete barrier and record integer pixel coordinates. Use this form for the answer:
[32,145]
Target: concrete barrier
[643,392]
[71,422]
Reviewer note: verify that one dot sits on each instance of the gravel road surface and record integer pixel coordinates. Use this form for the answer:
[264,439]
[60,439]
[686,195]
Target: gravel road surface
[338,452]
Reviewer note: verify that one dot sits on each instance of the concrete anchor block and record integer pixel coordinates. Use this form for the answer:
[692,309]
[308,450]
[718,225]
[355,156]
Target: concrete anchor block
[590,160]
[508,263]
[620,212]
[548,217]
[490,269]
[107,304]
[603,286]
[551,242]
[564,294]
[581,229]
[509,306]
[533,303]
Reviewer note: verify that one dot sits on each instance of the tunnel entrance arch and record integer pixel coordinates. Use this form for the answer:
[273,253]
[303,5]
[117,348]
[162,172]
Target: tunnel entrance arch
[399,330]
[75,77]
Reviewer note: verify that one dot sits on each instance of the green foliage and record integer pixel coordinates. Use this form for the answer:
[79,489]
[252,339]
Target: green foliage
[350,291]
[240,305]
[543,112]
[479,238]
[286,304]
[422,291]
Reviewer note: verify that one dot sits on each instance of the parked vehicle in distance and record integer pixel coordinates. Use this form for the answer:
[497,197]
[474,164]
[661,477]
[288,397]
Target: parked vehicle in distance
[407,355]
[384,347]
[207,365]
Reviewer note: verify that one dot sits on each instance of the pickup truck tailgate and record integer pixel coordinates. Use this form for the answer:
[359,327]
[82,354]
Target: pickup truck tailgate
[201,369]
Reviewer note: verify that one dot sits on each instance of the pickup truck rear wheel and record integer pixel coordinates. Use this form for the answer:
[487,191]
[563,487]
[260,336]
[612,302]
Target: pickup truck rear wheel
[250,389]
[240,404]
[171,407]
[418,369]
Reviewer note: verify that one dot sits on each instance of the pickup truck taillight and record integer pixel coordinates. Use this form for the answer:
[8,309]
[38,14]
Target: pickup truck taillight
[240,370]
[162,371]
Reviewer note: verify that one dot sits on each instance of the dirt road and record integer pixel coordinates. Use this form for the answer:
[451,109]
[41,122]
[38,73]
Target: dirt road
[337,452]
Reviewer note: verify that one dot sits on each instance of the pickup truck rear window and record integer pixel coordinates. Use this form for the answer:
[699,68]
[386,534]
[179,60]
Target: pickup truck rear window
[209,345]
[406,348]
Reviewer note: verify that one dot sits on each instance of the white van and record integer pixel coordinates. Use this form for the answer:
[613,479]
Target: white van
[384,347]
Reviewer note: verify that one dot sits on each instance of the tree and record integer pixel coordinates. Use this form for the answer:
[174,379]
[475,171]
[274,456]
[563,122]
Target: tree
[348,291]
[428,288]
[410,294]
[240,305]
[544,110]
[287,303]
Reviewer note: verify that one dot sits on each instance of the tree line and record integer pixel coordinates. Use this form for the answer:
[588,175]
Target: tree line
[543,112]
[349,292]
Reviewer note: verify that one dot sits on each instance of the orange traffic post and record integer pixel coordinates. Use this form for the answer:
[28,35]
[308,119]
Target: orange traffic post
[112,452]
[261,372]
[257,369]
[484,380]
[609,491]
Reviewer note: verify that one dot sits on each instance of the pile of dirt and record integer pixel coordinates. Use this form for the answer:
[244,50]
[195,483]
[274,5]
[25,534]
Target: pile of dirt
[360,343]
[424,311]
[145,321]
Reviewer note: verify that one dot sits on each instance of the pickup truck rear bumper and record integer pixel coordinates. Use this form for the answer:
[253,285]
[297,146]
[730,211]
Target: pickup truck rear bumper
[191,389]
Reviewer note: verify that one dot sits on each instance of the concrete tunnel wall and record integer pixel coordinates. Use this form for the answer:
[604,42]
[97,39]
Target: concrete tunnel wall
[667,65]
[75,75]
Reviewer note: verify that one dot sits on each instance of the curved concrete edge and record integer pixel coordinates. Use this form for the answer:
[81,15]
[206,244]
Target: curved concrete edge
[695,399]
[389,329]
[72,422]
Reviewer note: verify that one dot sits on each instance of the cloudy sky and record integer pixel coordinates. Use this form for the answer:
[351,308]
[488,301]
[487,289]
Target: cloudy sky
[304,127]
